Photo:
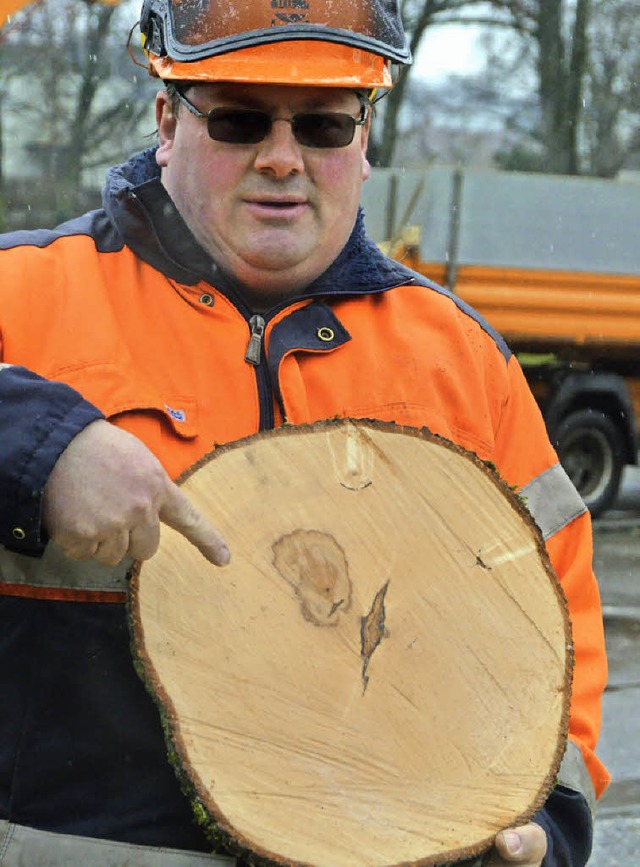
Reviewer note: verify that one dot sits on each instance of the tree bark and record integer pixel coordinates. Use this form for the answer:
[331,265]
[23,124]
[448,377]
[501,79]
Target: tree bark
[381,676]
[561,69]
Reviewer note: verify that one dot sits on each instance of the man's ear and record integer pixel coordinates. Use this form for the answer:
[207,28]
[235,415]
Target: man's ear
[166,123]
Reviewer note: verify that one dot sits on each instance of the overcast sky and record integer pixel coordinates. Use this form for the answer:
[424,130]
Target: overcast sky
[447,49]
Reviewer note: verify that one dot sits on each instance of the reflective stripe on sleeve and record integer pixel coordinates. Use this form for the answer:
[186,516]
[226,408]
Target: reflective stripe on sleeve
[573,774]
[21,846]
[56,576]
[552,500]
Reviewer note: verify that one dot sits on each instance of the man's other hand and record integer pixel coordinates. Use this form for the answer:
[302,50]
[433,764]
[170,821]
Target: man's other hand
[526,845]
[107,495]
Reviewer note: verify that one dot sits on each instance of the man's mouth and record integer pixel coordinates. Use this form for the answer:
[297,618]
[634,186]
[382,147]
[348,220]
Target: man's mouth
[276,199]
[270,204]
[290,207]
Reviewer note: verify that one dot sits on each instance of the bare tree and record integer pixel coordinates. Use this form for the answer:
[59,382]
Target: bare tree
[562,63]
[582,60]
[81,100]
[418,16]
[555,33]
[12,26]
[585,60]
[611,128]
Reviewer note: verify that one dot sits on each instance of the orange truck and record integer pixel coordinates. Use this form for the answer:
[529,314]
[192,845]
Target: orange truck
[553,263]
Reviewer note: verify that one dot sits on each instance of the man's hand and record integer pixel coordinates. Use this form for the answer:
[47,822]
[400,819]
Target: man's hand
[107,495]
[526,845]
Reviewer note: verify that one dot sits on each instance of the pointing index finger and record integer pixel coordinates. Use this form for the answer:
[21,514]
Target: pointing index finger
[179,513]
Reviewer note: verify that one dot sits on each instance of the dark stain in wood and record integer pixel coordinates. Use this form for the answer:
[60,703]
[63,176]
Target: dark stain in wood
[316,567]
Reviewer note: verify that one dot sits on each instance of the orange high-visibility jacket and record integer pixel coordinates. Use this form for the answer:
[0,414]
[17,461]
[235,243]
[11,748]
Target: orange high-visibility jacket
[154,337]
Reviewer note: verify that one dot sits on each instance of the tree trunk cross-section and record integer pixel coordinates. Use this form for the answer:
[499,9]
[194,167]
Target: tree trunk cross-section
[381,676]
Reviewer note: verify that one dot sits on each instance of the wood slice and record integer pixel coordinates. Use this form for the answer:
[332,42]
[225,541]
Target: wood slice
[382,674]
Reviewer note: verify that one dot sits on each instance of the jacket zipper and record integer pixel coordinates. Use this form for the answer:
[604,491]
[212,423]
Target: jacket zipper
[254,355]
[254,348]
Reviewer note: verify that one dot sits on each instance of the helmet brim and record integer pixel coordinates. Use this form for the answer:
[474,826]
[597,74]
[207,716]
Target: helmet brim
[294,62]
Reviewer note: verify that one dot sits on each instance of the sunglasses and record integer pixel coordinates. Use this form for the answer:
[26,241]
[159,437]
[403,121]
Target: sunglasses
[327,129]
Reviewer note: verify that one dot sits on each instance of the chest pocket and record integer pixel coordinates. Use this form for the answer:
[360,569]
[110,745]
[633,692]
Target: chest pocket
[167,422]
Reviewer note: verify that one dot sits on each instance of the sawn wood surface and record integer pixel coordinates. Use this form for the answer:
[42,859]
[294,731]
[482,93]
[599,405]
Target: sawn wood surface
[381,676]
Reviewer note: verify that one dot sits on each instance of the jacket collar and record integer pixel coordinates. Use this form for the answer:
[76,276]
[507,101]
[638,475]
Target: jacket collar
[139,205]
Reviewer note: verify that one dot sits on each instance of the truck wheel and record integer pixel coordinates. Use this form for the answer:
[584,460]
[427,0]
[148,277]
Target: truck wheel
[591,450]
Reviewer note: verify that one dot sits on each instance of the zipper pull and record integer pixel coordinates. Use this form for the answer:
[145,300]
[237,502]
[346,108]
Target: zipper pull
[254,348]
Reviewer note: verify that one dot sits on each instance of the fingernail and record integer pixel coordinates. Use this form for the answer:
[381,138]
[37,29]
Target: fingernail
[224,556]
[512,842]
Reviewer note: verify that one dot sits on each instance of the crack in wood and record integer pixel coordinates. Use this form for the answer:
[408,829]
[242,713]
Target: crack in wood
[372,631]
[335,607]
[480,562]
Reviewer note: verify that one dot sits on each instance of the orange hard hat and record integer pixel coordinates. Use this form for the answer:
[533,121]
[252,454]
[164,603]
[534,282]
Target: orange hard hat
[299,42]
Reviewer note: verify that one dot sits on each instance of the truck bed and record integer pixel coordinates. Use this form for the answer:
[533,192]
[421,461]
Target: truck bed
[552,262]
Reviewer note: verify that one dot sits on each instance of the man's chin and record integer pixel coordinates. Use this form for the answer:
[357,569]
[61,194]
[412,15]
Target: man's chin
[279,259]
[278,277]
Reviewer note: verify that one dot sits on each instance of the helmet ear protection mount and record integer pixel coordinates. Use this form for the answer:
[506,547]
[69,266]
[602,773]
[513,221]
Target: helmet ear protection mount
[151,32]
[296,42]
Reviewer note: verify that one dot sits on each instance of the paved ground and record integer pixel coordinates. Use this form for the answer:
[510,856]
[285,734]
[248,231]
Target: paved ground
[617,563]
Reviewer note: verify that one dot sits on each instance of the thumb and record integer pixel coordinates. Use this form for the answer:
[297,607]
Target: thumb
[526,845]
[179,513]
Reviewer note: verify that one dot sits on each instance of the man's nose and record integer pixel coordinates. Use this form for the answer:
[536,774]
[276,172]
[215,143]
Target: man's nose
[279,153]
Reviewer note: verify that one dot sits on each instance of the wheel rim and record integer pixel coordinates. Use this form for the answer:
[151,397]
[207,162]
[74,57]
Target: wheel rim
[588,460]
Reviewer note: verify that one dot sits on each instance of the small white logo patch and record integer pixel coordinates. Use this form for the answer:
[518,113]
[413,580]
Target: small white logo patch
[176,414]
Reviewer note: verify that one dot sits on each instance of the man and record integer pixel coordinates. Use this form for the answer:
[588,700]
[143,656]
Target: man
[226,286]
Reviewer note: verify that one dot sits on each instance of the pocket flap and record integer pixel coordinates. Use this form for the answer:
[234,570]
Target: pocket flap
[115,391]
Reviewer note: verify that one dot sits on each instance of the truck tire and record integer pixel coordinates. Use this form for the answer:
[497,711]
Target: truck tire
[591,450]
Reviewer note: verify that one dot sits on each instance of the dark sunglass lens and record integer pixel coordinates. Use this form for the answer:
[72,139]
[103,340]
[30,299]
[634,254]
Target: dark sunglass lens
[237,126]
[326,130]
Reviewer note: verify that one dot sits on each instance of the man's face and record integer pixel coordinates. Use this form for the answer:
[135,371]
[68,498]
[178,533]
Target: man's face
[273,214]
